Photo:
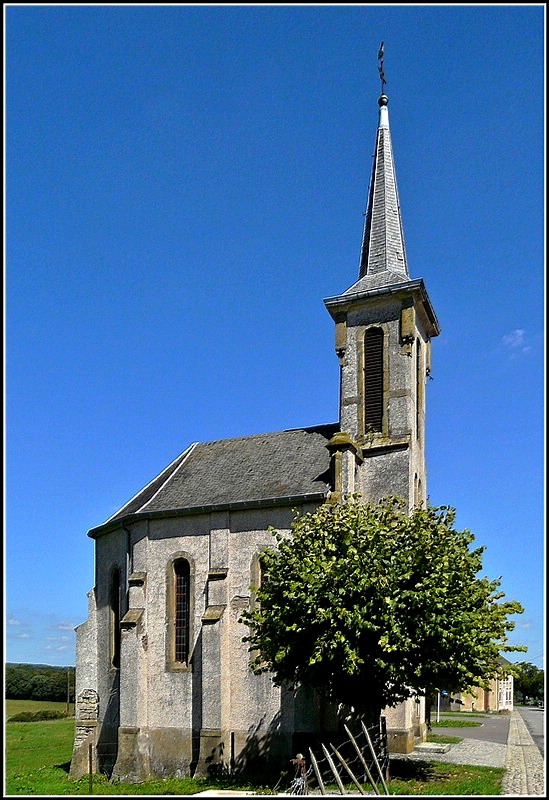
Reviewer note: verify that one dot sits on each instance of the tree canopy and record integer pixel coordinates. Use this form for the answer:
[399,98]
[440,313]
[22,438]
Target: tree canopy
[529,681]
[370,605]
[38,682]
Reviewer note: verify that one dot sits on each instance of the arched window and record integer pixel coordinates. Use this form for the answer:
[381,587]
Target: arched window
[373,380]
[182,598]
[114,618]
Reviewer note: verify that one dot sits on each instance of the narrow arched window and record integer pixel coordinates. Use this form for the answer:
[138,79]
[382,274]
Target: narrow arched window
[373,380]
[182,586]
[114,618]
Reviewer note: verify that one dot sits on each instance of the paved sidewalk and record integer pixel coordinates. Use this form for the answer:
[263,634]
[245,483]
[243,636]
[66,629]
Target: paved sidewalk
[468,751]
[524,764]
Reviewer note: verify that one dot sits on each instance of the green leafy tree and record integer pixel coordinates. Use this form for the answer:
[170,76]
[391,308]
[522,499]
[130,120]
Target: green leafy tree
[39,682]
[528,680]
[17,683]
[370,605]
[41,687]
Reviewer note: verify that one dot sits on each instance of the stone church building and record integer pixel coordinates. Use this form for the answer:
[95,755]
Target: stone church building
[163,682]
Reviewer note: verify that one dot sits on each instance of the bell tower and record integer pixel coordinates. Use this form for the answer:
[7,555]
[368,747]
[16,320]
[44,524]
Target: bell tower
[384,324]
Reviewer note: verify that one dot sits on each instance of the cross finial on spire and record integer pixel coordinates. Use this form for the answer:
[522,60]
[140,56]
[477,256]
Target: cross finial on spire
[380,66]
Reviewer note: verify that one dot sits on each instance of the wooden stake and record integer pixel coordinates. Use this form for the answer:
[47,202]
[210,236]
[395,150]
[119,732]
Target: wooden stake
[334,770]
[317,772]
[348,769]
[363,760]
[365,729]
[90,768]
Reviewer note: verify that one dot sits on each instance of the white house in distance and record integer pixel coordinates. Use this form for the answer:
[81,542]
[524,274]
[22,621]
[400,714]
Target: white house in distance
[163,682]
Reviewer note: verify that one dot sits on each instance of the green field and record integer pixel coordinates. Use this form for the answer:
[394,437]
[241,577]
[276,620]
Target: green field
[38,757]
[18,706]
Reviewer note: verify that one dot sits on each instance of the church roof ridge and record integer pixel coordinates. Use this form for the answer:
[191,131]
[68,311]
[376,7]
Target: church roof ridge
[247,437]
[259,469]
[155,485]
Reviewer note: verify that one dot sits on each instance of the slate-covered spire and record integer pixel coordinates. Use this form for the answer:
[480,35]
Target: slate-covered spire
[383,255]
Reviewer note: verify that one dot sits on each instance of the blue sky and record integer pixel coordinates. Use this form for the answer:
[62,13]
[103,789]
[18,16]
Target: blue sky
[184,186]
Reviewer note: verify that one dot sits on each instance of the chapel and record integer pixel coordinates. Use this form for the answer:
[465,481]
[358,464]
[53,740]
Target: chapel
[163,679]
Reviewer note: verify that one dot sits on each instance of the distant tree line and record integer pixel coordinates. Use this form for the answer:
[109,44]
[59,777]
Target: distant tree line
[39,682]
[528,682]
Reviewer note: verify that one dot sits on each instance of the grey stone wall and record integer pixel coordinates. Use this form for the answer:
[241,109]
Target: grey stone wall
[157,720]
[174,720]
[86,714]
[394,458]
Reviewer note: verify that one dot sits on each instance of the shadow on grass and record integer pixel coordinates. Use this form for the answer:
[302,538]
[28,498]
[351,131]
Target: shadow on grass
[65,767]
[403,770]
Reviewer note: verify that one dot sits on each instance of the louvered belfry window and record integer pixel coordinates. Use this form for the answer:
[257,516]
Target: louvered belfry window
[373,379]
[182,606]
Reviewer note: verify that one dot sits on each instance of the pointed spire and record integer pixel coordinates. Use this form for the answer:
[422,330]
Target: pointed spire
[383,255]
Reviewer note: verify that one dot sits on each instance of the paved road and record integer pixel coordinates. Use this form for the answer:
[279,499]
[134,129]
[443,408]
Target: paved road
[493,727]
[534,719]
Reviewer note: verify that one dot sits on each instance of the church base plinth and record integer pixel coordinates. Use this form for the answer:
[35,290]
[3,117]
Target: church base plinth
[400,741]
[152,753]
[82,755]
[214,754]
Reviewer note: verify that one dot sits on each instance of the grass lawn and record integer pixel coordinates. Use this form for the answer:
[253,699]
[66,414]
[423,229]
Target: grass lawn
[437,778]
[18,706]
[456,723]
[462,714]
[435,737]
[38,756]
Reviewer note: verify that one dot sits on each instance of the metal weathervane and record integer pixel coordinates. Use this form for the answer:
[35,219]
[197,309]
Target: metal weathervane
[380,67]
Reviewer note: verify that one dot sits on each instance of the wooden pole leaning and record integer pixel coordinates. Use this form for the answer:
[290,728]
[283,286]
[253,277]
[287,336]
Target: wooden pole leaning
[363,760]
[317,772]
[348,770]
[334,770]
[373,752]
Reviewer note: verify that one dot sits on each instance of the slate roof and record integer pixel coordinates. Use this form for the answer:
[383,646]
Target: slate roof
[383,256]
[251,469]
[383,262]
